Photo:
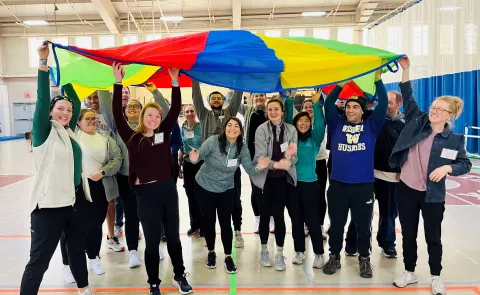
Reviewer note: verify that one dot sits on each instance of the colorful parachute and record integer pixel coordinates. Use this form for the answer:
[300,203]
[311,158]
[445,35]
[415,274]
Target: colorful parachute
[233,59]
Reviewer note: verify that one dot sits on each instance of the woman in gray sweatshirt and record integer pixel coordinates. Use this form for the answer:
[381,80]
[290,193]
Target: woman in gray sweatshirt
[222,155]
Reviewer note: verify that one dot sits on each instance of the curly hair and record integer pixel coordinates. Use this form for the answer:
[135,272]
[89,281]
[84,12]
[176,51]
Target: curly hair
[222,138]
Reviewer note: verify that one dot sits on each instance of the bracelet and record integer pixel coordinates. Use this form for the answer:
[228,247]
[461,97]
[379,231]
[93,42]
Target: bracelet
[43,62]
[175,83]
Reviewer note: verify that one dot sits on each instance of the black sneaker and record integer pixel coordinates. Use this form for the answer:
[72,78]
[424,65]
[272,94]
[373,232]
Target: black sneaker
[230,265]
[389,253]
[192,231]
[181,283]
[202,234]
[332,265]
[155,290]
[366,270]
[211,260]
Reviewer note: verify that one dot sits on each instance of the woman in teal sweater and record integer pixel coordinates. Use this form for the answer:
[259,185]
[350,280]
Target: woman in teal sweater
[305,204]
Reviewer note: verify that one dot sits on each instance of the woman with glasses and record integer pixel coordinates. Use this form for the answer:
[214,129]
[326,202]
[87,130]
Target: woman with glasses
[60,198]
[426,151]
[102,158]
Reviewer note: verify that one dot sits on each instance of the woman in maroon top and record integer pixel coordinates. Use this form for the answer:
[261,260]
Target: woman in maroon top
[149,175]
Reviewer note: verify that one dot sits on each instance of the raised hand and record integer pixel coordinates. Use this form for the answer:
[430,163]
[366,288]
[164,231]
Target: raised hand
[150,86]
[173,72]
[118,72]
[404,62]
[43,51]
[316,96]
[263,163]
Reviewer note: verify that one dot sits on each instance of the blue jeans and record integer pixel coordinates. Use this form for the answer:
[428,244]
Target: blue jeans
[385,194]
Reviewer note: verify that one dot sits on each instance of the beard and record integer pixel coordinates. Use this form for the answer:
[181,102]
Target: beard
[216,108]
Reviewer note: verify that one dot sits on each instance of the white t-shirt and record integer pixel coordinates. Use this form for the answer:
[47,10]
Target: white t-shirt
[94,150]
[102,125]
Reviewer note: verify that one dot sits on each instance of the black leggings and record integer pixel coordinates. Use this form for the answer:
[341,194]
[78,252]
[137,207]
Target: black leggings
[189,172]
[272,203]
[158,203]
[213,204]
[47,226]
[322,174]
[95,220]
[237,202]
[129,204]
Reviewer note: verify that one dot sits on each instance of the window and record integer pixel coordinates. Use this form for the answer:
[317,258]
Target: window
[33,44]
[151,37]
[420,40]
[368,37]
[345,35]
[446,39]
[106,41]
[321,33]
[394,39]
[273,33]
[471,39]
[84,42]
[296,33]
[60,40]
[129,39]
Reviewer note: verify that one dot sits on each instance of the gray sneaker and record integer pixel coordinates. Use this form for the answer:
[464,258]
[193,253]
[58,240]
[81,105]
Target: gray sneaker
[265,258]
[239,242]
[280,262]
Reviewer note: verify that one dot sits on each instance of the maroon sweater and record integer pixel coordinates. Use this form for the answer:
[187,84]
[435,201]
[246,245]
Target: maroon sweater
[148,162]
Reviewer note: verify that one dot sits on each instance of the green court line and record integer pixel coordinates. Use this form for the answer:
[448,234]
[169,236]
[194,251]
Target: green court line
[233,277]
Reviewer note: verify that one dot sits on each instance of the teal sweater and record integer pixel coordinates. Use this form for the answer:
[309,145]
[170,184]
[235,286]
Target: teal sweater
[307,150]
[42,125]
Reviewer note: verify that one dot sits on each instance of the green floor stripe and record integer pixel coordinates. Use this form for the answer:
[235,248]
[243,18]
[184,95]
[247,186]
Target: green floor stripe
[233,277]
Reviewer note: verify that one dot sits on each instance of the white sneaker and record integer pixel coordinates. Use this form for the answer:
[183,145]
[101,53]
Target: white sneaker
[96,265]
[239,242]
[256,227]
[305,230]
[134,259]
[67,275]
[118,231]
[437,286]
[87,292]
[299,258]
[162,257]
[265,258]
[272,224]
[318,262]
[280,262]
[114,244]
[405,279]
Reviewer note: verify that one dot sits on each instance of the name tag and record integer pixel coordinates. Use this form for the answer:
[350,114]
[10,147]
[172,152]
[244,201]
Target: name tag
[158,138]
[449,154]
[190,134]
[284,146]
[232,163]
[221,117]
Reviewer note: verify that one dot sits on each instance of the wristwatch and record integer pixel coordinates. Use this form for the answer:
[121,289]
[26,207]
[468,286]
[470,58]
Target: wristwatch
[103,172]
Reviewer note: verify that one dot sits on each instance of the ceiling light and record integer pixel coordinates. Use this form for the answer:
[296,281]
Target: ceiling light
[35,22]
[450,8]
[172,18]
[313,13]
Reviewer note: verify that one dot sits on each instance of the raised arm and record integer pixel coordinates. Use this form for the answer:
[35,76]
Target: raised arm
[77,105]
[41,118]
[235,102]
[331,114]
[410,106]
[158,98]
[122,126]
[289,108]
[380,112]
[200,109]
[105,100]
[318,132]
[172,116]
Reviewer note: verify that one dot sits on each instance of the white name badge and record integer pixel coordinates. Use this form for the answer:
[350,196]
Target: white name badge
[158,138]
[232,163]
[284,146]
[190,134]
[221,117]
[449,154]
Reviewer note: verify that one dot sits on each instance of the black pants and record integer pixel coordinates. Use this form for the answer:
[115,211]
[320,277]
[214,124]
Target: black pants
[129,204]
[158,203]
[358,198]
[237,203]
[189,172]
[387,206]
[322,176]
[303,208]
[213,204]
[174,173]
[47,226]
[253,199]
[118,212]
[410,203]
[95,220]
[272,203]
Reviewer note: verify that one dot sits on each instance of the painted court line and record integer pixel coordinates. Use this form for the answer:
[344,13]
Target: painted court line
[461,199]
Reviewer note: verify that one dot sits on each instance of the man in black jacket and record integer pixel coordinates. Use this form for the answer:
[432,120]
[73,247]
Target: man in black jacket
[386,178]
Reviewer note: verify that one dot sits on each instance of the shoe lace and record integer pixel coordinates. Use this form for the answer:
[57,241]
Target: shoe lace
[331,262]
[265,255]
[211,256]
[436,282]
[280,258]
[183,279]
[365,266]
[229,262]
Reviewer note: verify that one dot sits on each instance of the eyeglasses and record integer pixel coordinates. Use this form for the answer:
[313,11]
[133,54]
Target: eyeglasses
[133,107]
[439,110]
[90,119]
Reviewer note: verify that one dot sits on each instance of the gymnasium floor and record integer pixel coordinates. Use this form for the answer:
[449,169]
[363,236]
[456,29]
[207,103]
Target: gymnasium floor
[461,239]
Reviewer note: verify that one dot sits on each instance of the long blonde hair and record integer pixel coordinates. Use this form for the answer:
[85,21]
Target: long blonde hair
[455,104]
[141,127]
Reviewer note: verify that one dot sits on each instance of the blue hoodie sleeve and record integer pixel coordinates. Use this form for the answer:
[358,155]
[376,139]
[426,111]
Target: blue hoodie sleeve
[175,143]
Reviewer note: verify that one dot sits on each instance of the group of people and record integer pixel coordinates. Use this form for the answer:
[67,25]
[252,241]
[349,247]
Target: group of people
[399,159]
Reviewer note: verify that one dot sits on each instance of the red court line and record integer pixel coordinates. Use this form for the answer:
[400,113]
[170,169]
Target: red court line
[475,289]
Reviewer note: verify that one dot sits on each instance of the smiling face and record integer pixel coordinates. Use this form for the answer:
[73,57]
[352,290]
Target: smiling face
[132,111]
[93,102]
[439,112]
[189,113]
[62,112]
[151,119]
[307,107]
[303,124]
[353,112]
[275,112]
[259,100]
[125,96]
[216,101]
[232,130]
[87,122]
